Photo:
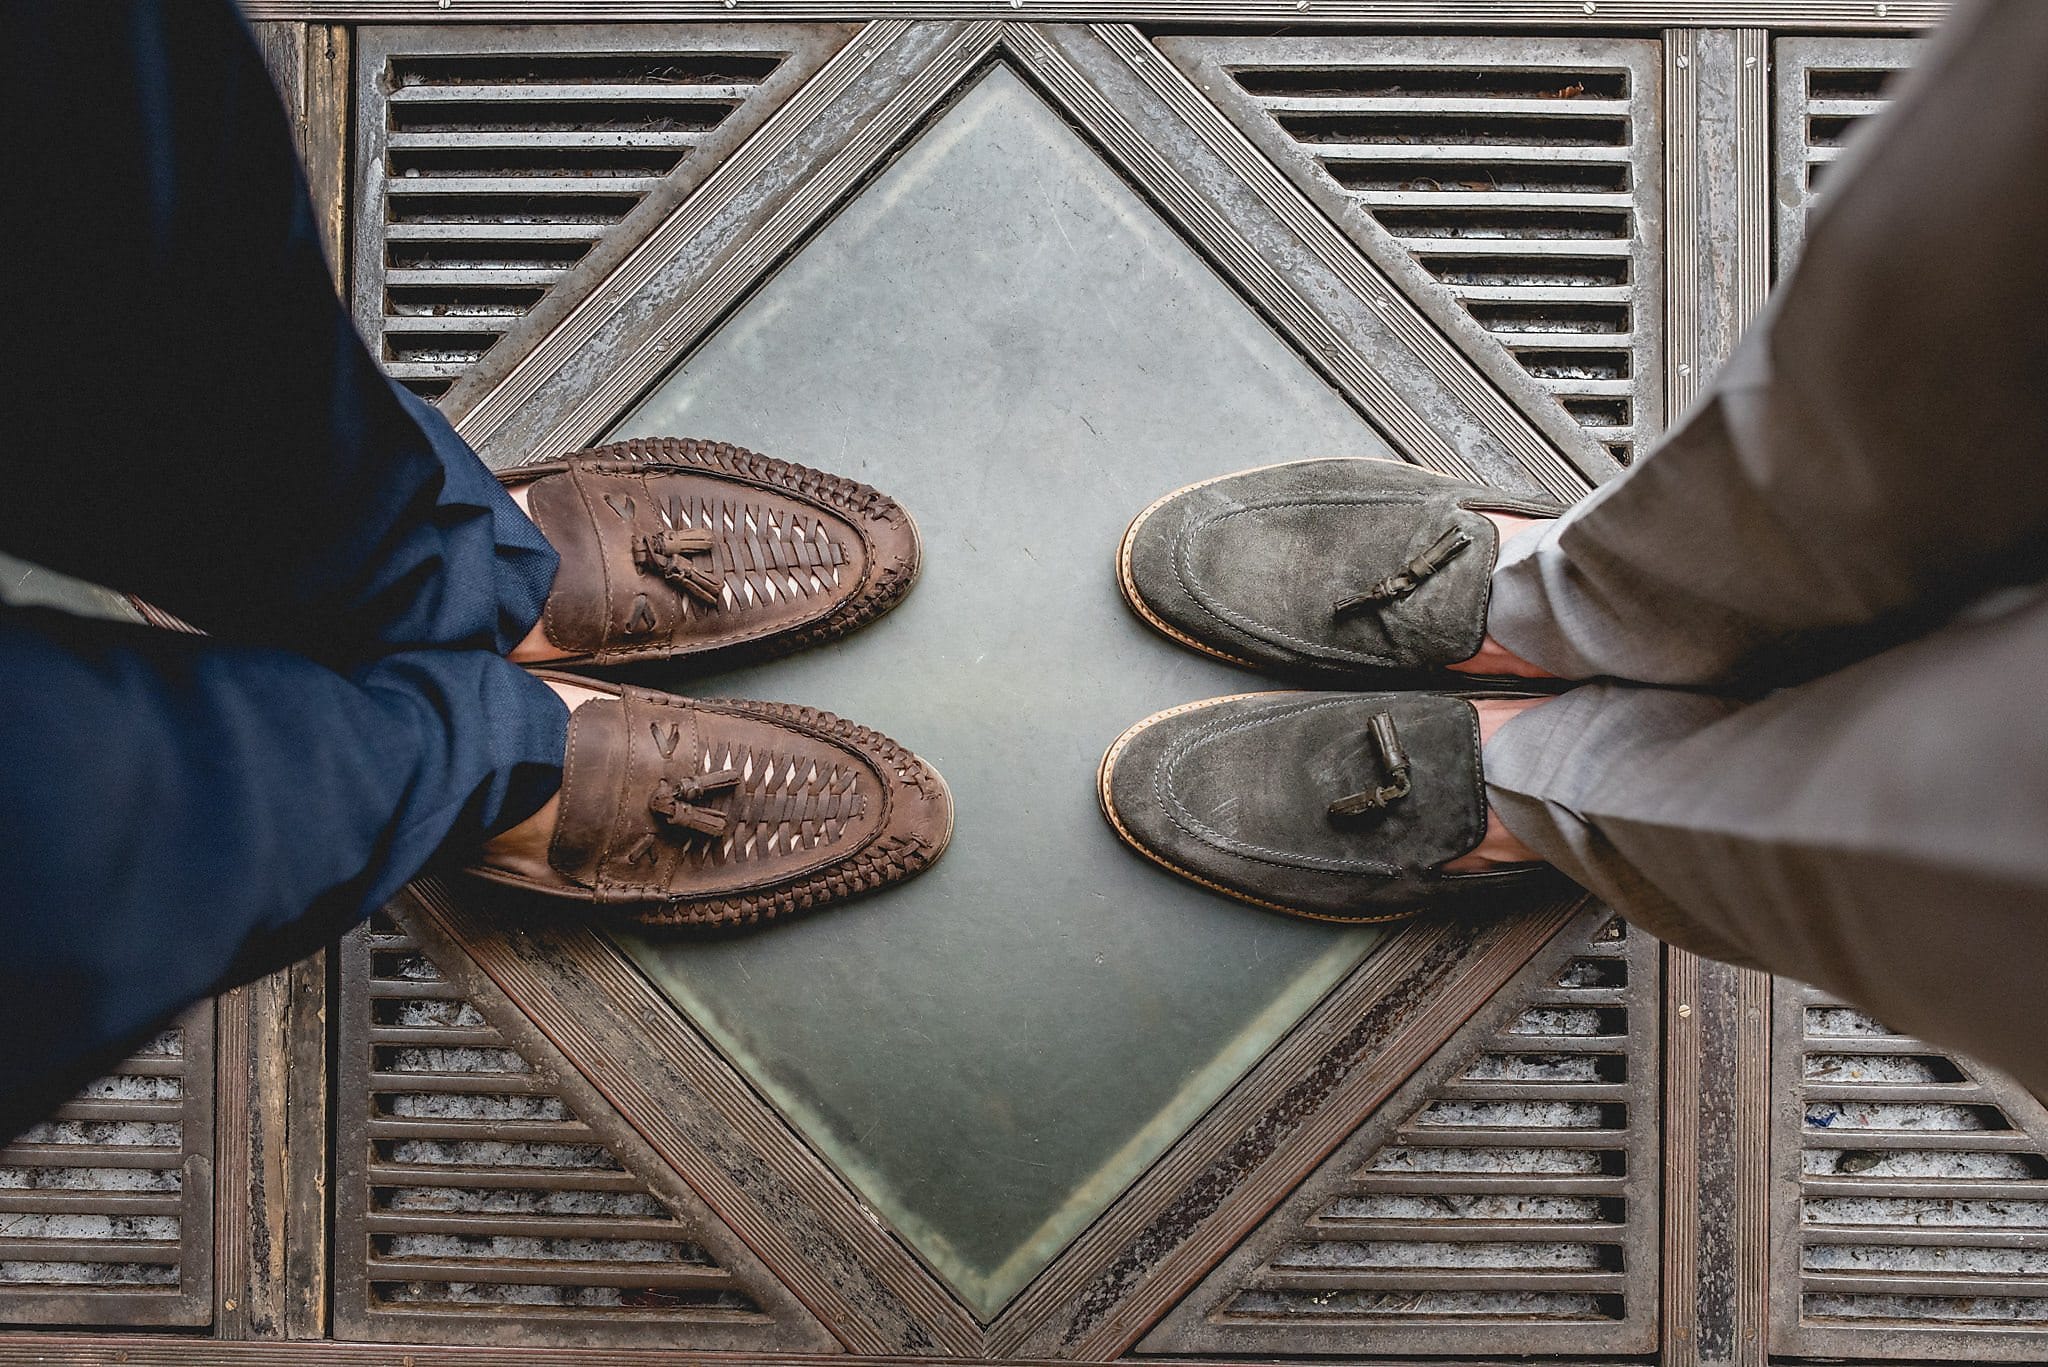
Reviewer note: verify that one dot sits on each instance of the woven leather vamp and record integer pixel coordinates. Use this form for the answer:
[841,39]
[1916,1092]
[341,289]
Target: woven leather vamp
[722,811]
[672,546]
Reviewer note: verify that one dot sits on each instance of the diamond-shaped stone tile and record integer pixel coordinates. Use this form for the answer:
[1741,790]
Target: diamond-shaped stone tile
[1000,333]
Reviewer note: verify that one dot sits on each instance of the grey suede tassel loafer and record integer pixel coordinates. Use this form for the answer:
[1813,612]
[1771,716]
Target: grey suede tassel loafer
[1349,568]
[1333,806]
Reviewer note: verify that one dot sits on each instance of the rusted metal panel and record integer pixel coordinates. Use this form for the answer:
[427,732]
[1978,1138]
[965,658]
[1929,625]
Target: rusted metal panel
[106,1208]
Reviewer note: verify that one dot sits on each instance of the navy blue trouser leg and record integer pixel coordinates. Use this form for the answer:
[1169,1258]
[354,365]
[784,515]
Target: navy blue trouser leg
[193,416]
[195,420]
[184,813]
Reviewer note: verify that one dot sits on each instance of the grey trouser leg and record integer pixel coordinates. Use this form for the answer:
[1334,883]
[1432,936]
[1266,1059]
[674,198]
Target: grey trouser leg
[1873,461]
[1882,831]
[1876,453]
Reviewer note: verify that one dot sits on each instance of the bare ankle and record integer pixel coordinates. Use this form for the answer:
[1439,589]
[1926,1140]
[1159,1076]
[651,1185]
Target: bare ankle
[535,648]
[527,843]
[1499,847]
[1493,658]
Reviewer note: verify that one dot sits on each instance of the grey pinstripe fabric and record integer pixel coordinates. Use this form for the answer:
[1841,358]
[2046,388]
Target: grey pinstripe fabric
[1838,557]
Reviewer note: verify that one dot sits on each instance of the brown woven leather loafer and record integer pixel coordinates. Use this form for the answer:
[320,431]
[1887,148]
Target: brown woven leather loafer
[722,812]
[673,546]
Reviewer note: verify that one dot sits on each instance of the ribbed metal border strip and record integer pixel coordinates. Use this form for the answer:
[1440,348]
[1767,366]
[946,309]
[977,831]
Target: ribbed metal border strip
[1517,436]
[1880,16]
[730,181]
[1717,225]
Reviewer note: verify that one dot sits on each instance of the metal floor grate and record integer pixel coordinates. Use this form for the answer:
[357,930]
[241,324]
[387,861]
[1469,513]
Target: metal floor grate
[1922,1189]
[1522,174]
[485,1194]
[1506,1193]
[106,1207]
[493,162]
[1824,88]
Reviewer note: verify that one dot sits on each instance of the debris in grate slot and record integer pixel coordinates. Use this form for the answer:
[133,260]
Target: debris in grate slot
[94,1199]
[1923,1179]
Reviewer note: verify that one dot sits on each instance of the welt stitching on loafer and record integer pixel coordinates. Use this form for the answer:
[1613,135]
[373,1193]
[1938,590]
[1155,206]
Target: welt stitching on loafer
[1251,566]
[722,812]
[1290,852]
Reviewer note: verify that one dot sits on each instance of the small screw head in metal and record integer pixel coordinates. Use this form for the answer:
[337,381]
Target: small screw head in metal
[1684,1009]
[1685,61]
[1589,6]
[1883,10]
[1749,61]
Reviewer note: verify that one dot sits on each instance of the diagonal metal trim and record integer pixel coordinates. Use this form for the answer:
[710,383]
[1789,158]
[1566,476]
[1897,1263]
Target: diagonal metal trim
[658,1073]
[896,88]
[703,186]
[383,90]
[1623,1226]
[1272,1129]
[782,1322]
[1541,428]
[1345,317]
[1350,350]
[893,75]
[1849,15]
[704,1120]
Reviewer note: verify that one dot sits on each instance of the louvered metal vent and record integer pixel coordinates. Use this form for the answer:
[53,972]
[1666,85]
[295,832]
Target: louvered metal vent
[482,1195]
[492,166]
[106,1208]
[1510,1190]
[1825,86]
[1923,1186]
[1522,174]
[1504,1196]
